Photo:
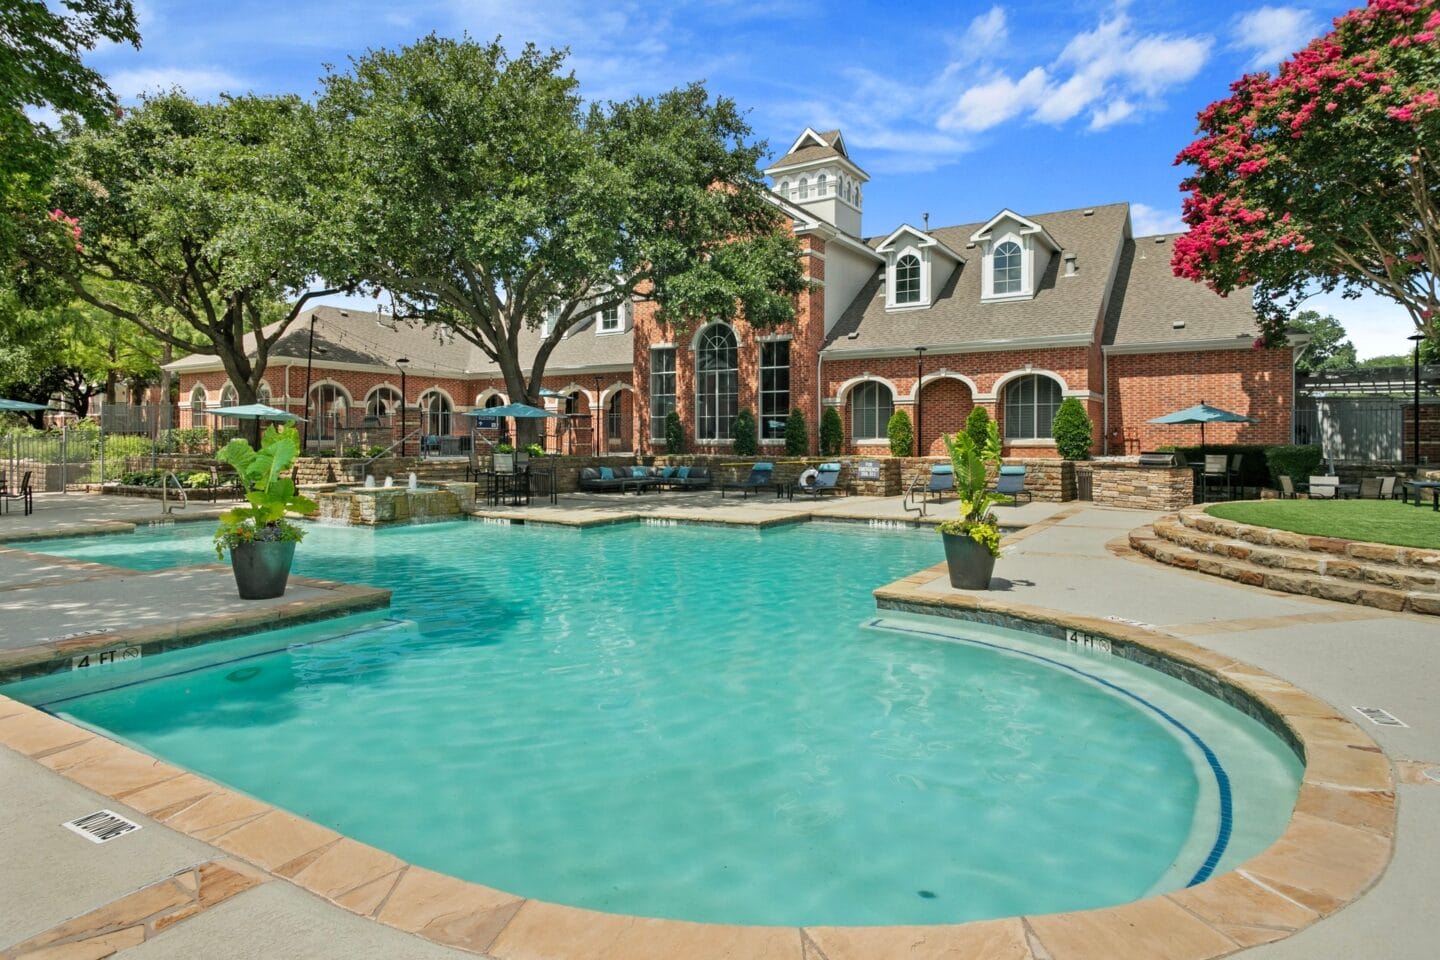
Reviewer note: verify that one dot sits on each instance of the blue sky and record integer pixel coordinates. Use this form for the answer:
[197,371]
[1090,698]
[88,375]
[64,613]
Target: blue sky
[955,109]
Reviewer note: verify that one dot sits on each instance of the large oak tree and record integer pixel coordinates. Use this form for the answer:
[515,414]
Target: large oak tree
[484,196]
[1326,174]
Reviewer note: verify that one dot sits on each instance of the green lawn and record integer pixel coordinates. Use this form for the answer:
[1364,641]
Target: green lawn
[1378,521]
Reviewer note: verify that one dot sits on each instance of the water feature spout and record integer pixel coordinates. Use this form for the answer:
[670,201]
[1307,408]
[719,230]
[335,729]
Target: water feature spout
[389,481]
[414,481]
[369,481]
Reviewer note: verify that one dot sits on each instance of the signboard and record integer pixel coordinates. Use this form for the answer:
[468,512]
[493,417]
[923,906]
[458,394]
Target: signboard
[868,469]
[487,423]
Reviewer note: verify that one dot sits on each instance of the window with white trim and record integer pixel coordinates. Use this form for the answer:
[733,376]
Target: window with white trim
[820,183]
[717,383]
[614,416]
[229,396]
[1030,405]
[1007,268]
[774,388]
[382,402]
[610,319]
[197,406]
[662,388]
[871,406]
[327,407]
[784,189]
[804,188]
[907,279]
[435,410]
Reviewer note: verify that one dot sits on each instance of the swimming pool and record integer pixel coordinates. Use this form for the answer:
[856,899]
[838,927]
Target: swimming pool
[699,723]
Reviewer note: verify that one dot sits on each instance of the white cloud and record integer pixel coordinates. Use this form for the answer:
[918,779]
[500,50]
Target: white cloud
[202,83]
[1147,221]
[1272,34]
[1112,72]
[984,35]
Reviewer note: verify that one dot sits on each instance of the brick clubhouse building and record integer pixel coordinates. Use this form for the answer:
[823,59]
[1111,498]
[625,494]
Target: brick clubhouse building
[1015,314]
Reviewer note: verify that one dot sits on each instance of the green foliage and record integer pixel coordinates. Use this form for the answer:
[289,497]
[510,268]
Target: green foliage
[832,433]
[1372,521]
[745,443]
[1254,471]
[797,436]
[1328,349]
[354,452]
[1072,430]
[1299,463]
[192,439]
[901,434]
[977,425]
[535,450]
[374,451]
[674,433]
[1429,354]
[269,492]
[969,461]
[503,447]
[196,480]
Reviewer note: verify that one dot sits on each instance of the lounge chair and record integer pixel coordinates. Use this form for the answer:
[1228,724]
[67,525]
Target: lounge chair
[1370,488]
[760,477]
[1011,483]
[1287,487]
[1387,488]
[827,475]
[23,494]
[942,481]
[605,479]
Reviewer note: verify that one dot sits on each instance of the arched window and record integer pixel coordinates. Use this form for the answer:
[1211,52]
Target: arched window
[820,183]
[849,186]
[197,406]
[495,401]
[717,382]
[804,189]
[785,189]
[871,406]
[382,402]
[328,404]
[435,408]
[614,414]
[229,396]
[907,279]
[263,394]
[1030,405]
[1007,267]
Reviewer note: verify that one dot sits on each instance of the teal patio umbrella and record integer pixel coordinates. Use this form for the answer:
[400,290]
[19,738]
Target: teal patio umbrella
[255,411]
[520,411]
[1202,413]
[20,406]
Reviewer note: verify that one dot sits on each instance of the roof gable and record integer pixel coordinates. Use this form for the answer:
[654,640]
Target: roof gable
[922,239]
[1027,226]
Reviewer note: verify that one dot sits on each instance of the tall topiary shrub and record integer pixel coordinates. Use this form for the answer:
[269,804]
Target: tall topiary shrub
[977,426]
[1299,463]
[1072,430]
[797,437]
[744,433]
[832,432]
[674,433]
[902,435]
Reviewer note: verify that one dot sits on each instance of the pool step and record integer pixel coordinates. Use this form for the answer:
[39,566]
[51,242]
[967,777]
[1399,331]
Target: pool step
[1329,572]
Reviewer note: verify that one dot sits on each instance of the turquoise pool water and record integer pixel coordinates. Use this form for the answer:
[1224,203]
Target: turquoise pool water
[698,723]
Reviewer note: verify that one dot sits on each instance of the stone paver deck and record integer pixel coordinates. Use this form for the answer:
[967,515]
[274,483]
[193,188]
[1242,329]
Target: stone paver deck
[1069,566]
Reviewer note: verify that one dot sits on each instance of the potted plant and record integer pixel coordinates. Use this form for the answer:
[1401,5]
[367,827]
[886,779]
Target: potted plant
[504,458]
[972,542]
[260,540]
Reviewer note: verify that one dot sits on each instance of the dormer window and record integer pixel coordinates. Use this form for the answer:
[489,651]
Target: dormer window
[785,189]
[907,279]
[804,188]
[552,314]
[611,320]
[820,185]
[1007,268]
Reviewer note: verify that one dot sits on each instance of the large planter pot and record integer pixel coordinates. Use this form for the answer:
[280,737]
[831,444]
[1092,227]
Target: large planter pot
[970,563]
[262,568]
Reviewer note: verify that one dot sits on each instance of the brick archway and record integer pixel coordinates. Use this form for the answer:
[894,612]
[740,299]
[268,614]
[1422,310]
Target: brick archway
[944,404]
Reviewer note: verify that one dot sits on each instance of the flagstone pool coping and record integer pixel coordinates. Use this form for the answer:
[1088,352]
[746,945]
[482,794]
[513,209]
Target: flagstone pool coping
[1337,844]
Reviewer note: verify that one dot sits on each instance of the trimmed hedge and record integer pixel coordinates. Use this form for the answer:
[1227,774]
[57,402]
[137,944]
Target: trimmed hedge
[1299,463]
[901,433]
[977,425]
[797,435]
[745,443]
[1072,430]
[832,432]
[674,433]
[1255,468]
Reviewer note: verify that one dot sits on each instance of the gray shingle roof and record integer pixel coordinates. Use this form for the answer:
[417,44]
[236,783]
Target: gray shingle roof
[1061,307]
[1149,300]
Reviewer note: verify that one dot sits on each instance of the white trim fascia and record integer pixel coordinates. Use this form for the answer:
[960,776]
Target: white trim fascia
[808,133]
[850,166]
[1009,298]
[1246,342]
[662,346]
[908,307]
[1083,395]
[775,337]
[812,252]
[1030,227]
[831,234]
[927,242]
[941,349]
[1029,442]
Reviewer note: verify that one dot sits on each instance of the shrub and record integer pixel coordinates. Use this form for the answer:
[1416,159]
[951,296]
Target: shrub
[832,432]
[1299,463]
[374,451]
[797,437]
[674,433]
[353,452]
[744,433]
[197,480]
[1072,430]
[977,425]
[535,450]
[902,435]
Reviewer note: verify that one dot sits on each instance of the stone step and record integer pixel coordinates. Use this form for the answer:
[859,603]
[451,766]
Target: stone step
[1148,541]
[1340,566]
[1379,553]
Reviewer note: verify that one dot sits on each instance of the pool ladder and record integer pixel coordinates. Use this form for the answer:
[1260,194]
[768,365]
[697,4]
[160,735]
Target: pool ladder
[165,506]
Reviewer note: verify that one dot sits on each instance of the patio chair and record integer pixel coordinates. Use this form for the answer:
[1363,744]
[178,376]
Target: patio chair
[1324,488]
[1217,468]
[1287,487]
[1370,488]
[760,477]
[826,477]
[942,481]
[1387,488]
[1237,473]
[23,494]
[1011,483]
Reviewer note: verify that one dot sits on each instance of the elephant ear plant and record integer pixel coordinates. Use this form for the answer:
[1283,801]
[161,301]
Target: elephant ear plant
[969,461]
[268,490]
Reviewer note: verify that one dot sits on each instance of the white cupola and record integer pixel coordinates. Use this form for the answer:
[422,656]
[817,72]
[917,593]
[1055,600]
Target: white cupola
[817,174]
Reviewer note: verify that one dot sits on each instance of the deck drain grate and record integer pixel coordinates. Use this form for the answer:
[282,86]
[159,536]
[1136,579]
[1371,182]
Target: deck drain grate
[1380,717]
[101,826]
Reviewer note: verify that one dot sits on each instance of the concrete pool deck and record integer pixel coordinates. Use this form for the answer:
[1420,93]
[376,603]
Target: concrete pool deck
[1069,560]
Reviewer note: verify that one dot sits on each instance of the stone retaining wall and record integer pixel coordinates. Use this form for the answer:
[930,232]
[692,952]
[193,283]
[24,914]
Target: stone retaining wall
[1133,487]
[1046,478]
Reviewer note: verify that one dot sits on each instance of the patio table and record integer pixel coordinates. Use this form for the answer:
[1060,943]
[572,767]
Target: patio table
[1418,487]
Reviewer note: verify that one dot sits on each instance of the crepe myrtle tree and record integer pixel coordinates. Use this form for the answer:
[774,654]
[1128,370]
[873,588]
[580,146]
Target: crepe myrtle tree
[1325,175]
[479,192]
[194,222]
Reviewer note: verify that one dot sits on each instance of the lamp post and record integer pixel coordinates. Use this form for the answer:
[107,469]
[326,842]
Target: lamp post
[595,415]
[309,362]
[1415,416]
[400,365]
[919,374]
